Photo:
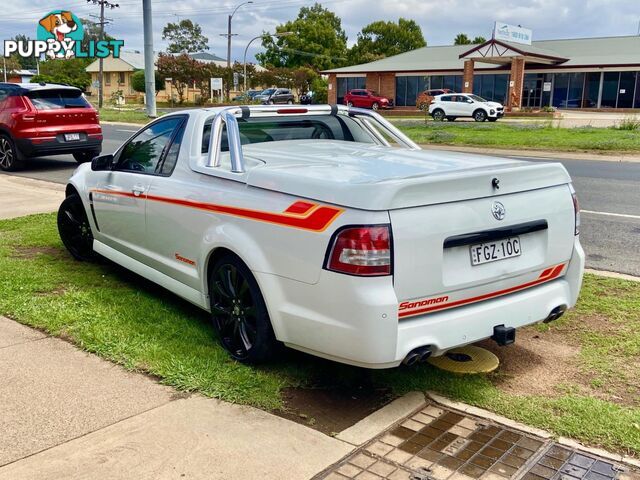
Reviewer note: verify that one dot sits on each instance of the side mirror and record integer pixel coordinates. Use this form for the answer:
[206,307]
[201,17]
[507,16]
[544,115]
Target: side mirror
[102,162]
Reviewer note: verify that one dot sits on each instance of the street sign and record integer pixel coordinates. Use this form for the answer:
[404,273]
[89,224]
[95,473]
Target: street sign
[216,84]
[236,80]
[512,33]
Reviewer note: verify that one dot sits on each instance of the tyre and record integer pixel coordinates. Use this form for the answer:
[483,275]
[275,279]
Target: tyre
[10,159]
[493,119]
[289,102]
[85,156]
[74,229]
[479,115]
[438,115]
[375,106]
[239,313]
[349,104]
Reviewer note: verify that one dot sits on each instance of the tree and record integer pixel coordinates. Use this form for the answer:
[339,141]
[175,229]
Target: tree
[383,39]
[11,64]
[185,37]
[92,33]
[316,40]
[70,71]
[463,39]
[182,69]
[26,63]
[138,81]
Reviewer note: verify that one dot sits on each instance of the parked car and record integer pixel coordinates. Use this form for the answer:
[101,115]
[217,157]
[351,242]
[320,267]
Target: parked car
[367,99]
[247,97]
[307,98]
[425,98]
[325,228]
[272,96]
[465,105]
[39,119]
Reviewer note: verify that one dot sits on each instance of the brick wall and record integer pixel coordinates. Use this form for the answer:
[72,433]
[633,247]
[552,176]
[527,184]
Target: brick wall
[467,77]
[383,83]
[517,77]
[332,93]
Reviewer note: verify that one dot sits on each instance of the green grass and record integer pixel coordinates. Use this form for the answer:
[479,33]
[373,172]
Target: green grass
[119,316]
[532,135]
[124,115]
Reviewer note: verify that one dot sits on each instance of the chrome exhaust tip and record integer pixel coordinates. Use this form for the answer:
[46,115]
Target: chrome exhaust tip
[555,314]
[417,355]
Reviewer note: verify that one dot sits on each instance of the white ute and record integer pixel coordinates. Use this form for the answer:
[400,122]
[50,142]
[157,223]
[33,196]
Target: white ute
[326,229]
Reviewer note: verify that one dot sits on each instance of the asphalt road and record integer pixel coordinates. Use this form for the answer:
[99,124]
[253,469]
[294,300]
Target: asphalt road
[609,194]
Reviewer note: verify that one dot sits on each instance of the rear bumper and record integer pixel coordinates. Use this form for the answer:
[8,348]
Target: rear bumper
[34,147]
[355,321]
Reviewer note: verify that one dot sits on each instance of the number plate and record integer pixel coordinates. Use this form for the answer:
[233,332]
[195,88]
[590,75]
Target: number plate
[494,251]
[72,137]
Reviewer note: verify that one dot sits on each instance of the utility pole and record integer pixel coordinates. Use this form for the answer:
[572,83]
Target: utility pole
[102,22]
[149,70]
[229,34]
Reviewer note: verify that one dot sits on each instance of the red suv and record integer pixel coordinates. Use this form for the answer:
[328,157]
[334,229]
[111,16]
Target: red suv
[45,119]
[366,99]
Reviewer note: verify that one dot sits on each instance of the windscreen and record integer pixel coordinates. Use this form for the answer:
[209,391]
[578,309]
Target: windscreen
[307,127]
[57,99]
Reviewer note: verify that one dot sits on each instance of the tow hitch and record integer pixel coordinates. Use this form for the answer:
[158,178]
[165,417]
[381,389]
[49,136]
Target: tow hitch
[504,335]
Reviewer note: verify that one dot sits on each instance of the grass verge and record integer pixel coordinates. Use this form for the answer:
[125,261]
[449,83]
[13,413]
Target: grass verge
[117,315]
[533,135]
[125,116]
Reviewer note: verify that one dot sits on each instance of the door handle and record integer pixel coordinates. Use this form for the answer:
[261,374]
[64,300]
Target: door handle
[138,190]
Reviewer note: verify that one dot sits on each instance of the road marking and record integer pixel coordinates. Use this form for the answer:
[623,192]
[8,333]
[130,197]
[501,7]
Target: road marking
[623,215]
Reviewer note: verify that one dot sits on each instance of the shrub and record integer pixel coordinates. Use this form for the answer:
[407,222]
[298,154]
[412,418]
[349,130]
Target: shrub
[631,123]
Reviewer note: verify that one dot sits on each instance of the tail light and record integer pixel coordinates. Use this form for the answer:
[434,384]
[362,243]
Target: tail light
[361,250]
[576,209]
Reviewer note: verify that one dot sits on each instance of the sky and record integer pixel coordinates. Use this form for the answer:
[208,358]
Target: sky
[440,20]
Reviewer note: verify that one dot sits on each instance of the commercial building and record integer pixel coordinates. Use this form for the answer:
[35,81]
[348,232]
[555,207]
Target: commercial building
[574,73]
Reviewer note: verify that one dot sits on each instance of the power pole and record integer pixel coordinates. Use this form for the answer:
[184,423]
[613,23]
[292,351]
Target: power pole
[229,34]
[102,22]
[149,71]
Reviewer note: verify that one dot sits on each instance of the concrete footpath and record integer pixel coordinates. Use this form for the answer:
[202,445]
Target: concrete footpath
[67,414]
[25,196]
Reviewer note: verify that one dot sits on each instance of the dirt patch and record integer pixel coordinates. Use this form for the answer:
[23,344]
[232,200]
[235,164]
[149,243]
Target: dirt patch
[534,365]
[331,411]
[48,293]
[29,253]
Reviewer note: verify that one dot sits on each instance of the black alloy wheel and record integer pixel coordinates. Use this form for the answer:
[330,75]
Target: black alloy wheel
[74,229]
[239,313]
[9,160]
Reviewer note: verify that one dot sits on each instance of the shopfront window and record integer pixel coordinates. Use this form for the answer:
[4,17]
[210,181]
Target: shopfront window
[626,89]
[636,104]
[345,84]
[491,87]
[610,89]
[592,89]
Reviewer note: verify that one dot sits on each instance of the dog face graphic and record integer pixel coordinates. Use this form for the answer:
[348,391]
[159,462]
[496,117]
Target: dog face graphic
[59,24]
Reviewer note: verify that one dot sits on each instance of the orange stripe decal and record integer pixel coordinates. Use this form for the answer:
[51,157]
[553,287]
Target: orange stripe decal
[301,215]
[428,305]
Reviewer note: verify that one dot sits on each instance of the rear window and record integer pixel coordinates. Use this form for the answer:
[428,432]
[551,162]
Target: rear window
[274,129]
[57,99]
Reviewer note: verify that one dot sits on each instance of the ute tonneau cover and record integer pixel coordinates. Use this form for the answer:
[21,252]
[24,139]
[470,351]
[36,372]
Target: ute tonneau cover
[372,177]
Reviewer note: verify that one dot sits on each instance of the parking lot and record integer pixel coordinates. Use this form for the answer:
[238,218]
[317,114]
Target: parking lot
[609,194]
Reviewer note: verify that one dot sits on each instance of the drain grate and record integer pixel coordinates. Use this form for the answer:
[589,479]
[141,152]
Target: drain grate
[441,444]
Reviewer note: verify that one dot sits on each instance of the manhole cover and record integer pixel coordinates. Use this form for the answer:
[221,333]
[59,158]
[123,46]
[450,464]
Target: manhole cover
[469,359]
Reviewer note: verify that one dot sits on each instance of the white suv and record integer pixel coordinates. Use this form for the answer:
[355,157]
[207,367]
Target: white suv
[452,106]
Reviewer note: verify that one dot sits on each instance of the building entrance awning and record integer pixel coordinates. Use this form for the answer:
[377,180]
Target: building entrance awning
[501,52]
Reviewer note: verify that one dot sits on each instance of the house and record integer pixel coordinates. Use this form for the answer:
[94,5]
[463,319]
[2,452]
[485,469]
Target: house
[116,74]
